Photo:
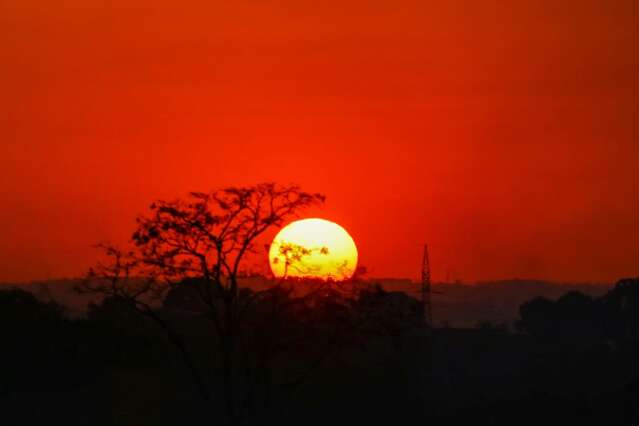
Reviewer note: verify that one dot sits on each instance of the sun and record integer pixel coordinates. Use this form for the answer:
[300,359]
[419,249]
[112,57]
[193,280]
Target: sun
[313,248]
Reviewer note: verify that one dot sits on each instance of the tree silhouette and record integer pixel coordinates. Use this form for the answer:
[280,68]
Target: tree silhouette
[538,318]
[20,306]
[620,309]
[294,255]
[202,241]
[577,316]
[29,328]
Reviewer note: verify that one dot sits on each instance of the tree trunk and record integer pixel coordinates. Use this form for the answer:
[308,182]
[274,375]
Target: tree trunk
[177,341]
[227,376]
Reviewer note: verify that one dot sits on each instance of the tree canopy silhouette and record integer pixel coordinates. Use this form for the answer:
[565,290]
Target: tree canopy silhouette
[203,241]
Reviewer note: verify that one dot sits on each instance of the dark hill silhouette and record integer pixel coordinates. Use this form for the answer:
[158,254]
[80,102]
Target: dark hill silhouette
[454,304]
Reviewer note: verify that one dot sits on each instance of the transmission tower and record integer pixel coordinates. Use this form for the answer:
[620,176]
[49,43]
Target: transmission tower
[426,305]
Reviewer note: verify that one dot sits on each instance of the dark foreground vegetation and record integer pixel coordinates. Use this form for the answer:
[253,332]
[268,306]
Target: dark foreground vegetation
[367,361]
[175,338]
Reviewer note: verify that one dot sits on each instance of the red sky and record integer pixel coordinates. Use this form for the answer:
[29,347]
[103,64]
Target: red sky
[504,134]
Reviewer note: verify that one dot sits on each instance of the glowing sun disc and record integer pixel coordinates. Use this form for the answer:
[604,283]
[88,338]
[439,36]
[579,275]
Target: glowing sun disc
[313,248]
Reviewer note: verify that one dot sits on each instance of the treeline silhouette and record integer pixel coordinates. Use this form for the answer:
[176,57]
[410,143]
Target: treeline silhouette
[454,304]
[359,360]
[48,353]
[577,317]
[174,337]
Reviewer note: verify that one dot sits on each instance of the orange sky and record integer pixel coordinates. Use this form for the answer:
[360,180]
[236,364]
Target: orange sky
[506,134]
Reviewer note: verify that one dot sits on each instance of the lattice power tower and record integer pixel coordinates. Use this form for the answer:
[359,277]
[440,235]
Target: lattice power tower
[426,303]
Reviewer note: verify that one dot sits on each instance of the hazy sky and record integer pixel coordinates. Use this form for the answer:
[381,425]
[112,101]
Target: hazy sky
[503,133]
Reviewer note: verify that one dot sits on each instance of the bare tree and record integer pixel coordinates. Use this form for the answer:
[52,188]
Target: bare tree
[263,339]
[205,239]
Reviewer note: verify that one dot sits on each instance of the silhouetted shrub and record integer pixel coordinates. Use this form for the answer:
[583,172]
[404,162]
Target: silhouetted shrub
[538,318]
[21,307]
